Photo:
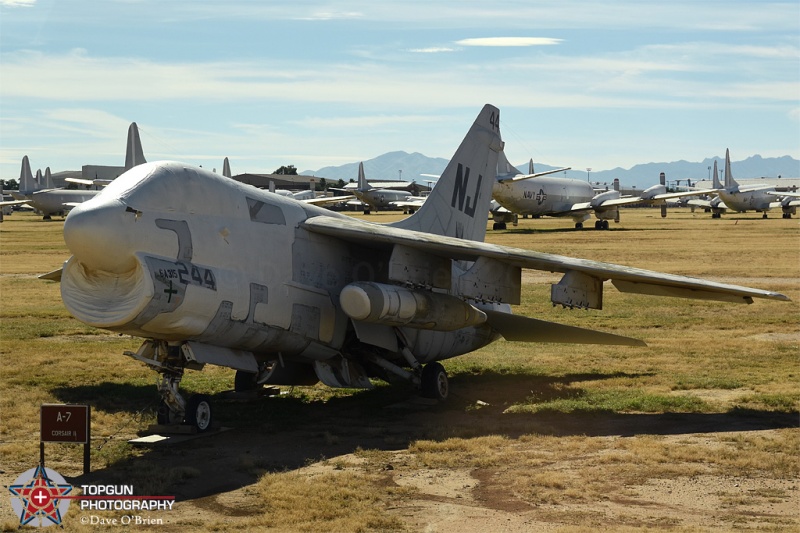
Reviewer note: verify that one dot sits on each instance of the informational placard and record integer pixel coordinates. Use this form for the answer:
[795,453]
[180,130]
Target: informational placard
[65,423]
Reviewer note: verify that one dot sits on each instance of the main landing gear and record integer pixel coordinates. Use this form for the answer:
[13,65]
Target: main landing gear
[173,409]
[601,224]
[195,413]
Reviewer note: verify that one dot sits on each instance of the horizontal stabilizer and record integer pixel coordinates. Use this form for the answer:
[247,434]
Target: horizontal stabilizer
[525,329]
[55,275]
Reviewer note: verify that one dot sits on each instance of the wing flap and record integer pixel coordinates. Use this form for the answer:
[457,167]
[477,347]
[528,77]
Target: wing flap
[525,329]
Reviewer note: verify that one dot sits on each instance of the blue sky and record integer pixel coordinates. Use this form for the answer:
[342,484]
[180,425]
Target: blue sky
[597,84]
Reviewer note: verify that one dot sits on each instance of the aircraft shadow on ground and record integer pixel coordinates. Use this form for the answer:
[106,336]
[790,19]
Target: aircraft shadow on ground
[285,433]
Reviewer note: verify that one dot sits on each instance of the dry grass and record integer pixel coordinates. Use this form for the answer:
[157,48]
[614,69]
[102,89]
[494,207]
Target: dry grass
[547,433]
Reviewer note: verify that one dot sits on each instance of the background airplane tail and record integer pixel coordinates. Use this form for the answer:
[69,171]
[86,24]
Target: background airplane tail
[458,205]
[26,181]
[715,180]
[362,179]
[48,179]
[134,154]
[505,168]
[729,181]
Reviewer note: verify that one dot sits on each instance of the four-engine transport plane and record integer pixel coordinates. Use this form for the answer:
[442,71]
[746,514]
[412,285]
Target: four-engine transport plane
[537,195]
[741,198]
[377,199]
[41,195]
[49,200]
[211,271]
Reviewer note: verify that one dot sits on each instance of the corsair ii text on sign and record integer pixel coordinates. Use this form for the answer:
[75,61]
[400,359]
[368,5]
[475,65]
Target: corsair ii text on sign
[65,423]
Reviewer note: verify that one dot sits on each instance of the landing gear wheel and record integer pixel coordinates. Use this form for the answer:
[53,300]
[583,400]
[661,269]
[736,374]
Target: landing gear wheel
[579,225]
[604,224]
[198,412]
[764,215]
[244,381]
[499,225]
[166,416]
[434,382]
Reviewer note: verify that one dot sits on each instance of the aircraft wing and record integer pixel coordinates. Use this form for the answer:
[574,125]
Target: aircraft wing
[681,194]
[417,202]
[97,182]
[14,202]
[324,200]
[579,273]
[784,194]
[655,199]
[521,177]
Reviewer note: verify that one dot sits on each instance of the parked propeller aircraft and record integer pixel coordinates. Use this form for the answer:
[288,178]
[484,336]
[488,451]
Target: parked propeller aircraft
[290,293]
[309,196]
[48,200]
[39,194]
[376,198]
[735,197]
[537,195]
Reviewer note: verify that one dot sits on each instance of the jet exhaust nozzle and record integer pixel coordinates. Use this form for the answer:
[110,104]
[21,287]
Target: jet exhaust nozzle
[392,305]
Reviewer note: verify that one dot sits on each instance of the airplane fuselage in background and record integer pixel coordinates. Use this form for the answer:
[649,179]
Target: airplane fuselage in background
[744,199]
[542,196]
[381,198]
[57,201]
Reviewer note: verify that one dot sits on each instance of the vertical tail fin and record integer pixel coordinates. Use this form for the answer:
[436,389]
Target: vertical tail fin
[505,169]
[715,180]
[362,179]
[134,155]
[226,168]
[729,181]
[26,183]
[530,167]
[48,179]
[458,205]
[662,178]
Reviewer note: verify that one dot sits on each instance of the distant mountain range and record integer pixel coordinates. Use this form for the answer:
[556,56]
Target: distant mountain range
[389,166]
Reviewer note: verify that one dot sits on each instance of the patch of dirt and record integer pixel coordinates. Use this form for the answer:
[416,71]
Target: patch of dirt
[330,436]
[777,337]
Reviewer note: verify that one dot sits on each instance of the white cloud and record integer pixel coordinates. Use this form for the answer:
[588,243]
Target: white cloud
[432,50]
[509,41]
[17,3]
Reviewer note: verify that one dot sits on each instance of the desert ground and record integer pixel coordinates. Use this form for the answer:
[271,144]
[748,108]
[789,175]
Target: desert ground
[699,431]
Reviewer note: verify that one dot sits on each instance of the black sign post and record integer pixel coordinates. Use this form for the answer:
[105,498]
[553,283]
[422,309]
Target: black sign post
[66,423]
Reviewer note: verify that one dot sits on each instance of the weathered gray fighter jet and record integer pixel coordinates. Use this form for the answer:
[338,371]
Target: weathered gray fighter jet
[211,271]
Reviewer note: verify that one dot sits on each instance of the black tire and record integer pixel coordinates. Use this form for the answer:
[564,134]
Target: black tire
[198,412]
[434,382]
[244,381]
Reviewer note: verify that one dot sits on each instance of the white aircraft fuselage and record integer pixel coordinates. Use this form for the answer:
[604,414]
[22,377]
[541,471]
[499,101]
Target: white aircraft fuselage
[747,198]
[381,198]
[542,196]
[57,201]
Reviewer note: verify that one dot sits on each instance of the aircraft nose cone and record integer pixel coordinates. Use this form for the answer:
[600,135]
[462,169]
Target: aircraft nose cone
[99,235]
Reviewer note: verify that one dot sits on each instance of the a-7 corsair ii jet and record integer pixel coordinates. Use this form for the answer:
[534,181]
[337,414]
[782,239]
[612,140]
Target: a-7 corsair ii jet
[209,270]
